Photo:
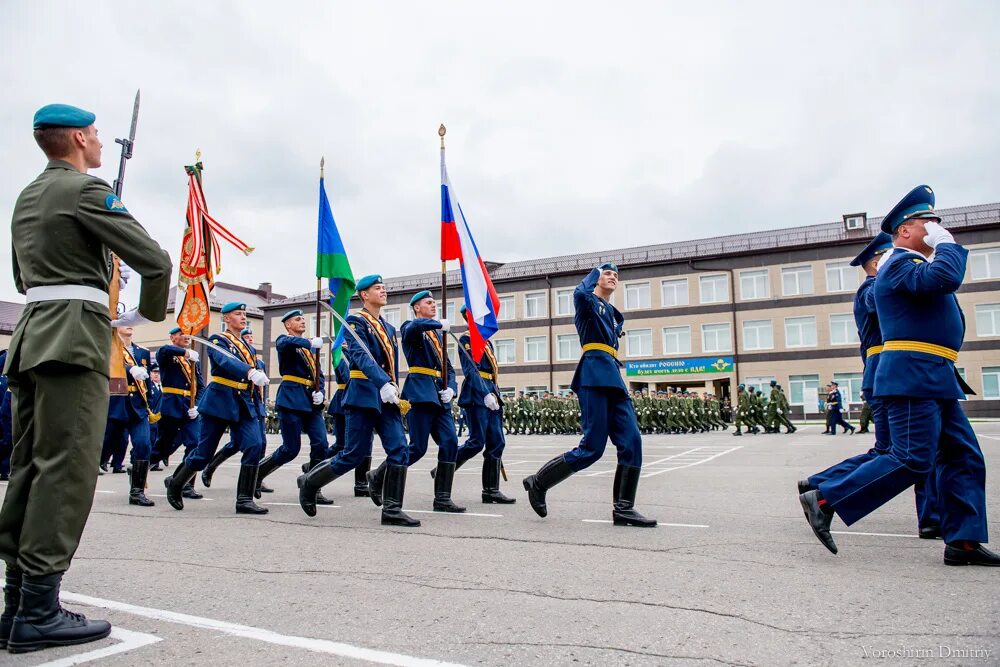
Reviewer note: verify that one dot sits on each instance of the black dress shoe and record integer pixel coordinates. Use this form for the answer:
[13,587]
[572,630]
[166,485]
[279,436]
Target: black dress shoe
[804,486]
[930,533]
[819,520]
[118,471]
[978,556]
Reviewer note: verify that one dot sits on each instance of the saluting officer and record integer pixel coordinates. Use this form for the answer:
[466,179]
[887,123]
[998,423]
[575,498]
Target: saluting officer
[64,227]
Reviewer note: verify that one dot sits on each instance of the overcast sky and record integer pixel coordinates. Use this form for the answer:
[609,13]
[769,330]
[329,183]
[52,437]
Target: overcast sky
[572,126]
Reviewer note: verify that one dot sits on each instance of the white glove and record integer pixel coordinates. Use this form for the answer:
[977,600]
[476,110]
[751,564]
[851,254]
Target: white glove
[936,234]
[139,373]
[316,343]
[125,272]
[191,355]
[389,394]
[883,259]
[445,325]
[131,318]
[258,377]
[446,395]
[491,402]
[318,398]
[193,413]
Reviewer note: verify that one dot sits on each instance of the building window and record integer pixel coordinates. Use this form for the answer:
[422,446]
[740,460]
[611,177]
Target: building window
[505,350]
[843,330]
[506,308]
[639,342]
[988,319]
[567,347]
[985,263]
[453,355]
[797,385]
[636,296]
[677,340]
[753,285]
[842,277]
[850,387]
[714,289]
[536,390]
[715,338]
[758,335]
[674,292]
[564,302]
[796,280]
[991,382]
[761,384]
[534,305]
[800,331]
[391,315]
[451,312]
[535,349]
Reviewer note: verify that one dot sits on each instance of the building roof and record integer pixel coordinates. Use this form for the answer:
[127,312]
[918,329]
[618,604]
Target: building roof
[226,292]
[10,313]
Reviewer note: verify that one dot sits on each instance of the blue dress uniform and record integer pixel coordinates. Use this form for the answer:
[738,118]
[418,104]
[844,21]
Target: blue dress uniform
[834,403]
[128,418]
[181,381]
[155,401]
[6,427]
[374,363]
[920,389]
[342,373]
[605,407]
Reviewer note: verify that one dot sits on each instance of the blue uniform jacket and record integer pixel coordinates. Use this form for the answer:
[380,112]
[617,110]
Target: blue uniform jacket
[597,321]
[131,406]
[364,392]
[155,398]
[475,386]
[916,301]
[834,401]
[224,402]
[420,351]
[292,361]
[170,358]
[342,373]
[866,319]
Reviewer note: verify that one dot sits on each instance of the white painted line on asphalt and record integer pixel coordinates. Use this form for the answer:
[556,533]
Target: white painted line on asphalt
[851,532]
[297,505]
[127,641]
[99,491]
[705,460]
[163,495]
[259,634]
[665,525]
[492,516]
[991,437]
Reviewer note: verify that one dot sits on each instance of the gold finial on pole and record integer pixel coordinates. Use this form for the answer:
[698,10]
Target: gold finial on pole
[441,131]
[322,166]
[197,155]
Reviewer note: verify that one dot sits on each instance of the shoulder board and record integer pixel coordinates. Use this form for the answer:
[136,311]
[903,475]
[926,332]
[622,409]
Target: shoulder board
[918,261]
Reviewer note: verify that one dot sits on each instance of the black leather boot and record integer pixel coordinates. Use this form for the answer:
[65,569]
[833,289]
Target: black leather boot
[442,489]
[306,467]
[189,491]
[361,477]
[40,621]
[175,485]
[547,476]
[491,483]
[376,478]
[623,511]
[11,602]
[311,483]
[737,431]
[245,486]
[137,480]
[267,466]
[392,502]
[220,457]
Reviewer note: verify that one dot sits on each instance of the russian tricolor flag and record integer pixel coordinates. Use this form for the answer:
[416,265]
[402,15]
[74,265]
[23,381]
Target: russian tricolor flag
[481,299]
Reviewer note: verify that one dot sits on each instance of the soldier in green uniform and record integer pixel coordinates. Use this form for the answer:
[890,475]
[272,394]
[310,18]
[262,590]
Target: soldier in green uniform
[64,227]
[741,414]
[866,415]
[783,410]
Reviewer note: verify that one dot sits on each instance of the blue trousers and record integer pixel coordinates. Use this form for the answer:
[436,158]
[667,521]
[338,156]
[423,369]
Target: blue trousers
[118,432]
[606,413]
[426,420]
[173,433]
[293,423]
[247,437]
[339,433]
[485,434]
[360,426]
[927,436]
[229,449]
[836,418]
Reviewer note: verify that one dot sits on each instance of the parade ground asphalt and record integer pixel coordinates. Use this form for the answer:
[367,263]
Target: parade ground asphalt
[732,575]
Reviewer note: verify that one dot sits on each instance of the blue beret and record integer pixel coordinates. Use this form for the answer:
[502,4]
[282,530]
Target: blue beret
[742,386]
[62,115]
[608,266]
[368,281]
[175,330]
[233,305]
[422,294]
[875,247]
[246,331]
[290,314]
[919,203]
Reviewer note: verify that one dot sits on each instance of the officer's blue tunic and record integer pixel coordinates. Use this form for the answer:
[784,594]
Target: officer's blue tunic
[428,417]
[834,400]
[294,402]
[6,426]
[221,406]
[175,426]
[128,416]
[920,391]
[605,406]
[229,449]
[155,399]
[485,425]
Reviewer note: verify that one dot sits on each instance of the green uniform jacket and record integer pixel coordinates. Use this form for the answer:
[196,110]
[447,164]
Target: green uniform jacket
[64,225]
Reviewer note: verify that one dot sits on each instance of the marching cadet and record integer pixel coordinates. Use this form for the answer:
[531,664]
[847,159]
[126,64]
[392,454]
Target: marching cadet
[834,404]
[6,444]
[64,227]
[771,413]
[783,410]
[372,405]
[155,400]
[183,384]
[300,399]
[342,373]
[742,415]
[866,417]
[430,394]
[916,380]
[231,401]
[604,401]
[480,398]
